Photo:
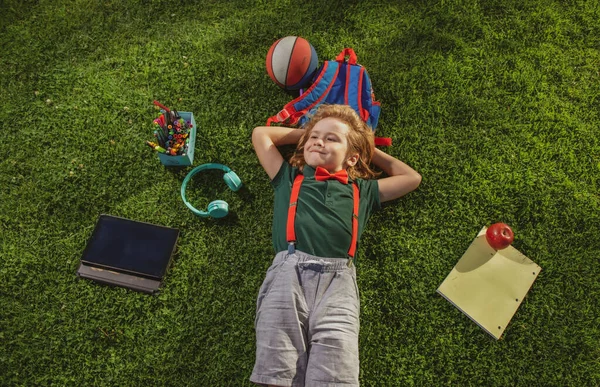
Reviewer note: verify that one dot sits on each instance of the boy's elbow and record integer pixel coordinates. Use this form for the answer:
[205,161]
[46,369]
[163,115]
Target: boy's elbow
[417,178]
[257,134]
[415,181]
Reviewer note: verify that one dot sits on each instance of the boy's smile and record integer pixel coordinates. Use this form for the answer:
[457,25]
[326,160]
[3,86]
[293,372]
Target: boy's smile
[327,145]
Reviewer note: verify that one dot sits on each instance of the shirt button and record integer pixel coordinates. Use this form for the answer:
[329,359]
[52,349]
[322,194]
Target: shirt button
[328,195]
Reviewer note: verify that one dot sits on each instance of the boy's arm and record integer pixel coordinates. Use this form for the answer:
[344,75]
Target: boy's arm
[401,179]
[266,139]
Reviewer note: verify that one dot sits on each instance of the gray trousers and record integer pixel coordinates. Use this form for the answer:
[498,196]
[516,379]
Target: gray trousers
[307,323]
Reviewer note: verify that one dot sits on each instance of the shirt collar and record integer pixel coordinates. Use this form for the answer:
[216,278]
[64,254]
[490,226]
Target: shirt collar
[308,171]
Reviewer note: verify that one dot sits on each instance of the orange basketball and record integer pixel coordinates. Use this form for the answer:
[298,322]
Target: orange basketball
[291,62]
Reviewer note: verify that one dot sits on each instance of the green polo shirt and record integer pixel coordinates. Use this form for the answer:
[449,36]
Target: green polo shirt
[323,214]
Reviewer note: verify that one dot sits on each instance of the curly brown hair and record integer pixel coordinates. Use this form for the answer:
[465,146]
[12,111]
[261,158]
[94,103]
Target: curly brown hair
[360,139]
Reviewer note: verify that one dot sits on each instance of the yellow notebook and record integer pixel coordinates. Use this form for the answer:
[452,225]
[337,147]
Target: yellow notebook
[488,285]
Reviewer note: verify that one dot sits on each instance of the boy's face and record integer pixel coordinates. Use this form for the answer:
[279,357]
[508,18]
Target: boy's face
[327,146]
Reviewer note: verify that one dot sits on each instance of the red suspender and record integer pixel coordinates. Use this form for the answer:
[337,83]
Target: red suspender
[290,229]
[356,197]
[291,218]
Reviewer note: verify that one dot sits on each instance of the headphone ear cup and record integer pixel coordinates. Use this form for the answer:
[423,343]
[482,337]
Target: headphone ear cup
[218,209]
[232,180]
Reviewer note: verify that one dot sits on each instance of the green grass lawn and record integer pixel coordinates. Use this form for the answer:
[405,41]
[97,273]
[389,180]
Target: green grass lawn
[496,103]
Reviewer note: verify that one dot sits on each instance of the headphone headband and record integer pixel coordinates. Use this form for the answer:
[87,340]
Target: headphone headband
[204,167]
[217,208]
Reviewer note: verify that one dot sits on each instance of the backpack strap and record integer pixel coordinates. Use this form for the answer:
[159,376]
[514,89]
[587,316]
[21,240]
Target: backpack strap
[347,52]
[353,90]
[383,141]
[291,218]
[315,94]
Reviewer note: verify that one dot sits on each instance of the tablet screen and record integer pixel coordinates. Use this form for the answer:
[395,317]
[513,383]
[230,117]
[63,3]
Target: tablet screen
[125,245]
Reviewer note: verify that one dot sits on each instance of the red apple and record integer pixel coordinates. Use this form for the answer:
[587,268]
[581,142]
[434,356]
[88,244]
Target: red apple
[499,236]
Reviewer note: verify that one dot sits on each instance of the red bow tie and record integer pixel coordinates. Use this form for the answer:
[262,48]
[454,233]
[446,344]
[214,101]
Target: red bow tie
[321,174]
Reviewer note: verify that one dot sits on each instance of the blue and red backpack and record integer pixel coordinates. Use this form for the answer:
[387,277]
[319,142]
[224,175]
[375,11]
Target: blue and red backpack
[338,81]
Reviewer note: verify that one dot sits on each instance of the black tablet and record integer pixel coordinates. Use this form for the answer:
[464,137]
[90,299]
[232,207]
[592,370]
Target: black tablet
[130,247]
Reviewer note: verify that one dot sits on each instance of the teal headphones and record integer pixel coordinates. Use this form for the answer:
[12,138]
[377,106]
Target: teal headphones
[217,208]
